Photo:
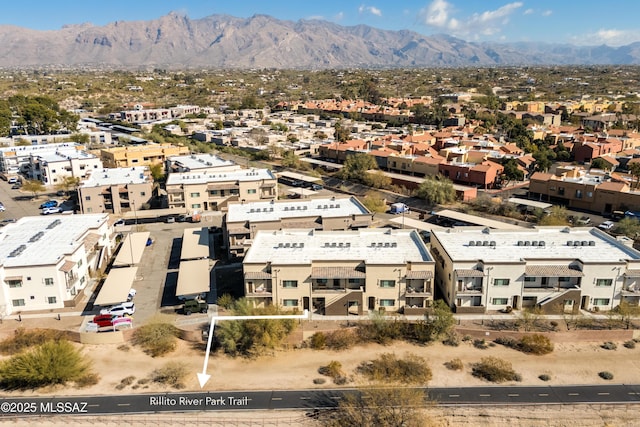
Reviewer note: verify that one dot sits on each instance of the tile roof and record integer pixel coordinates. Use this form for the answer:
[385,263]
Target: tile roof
[336,273]
[552,271]
[469,273]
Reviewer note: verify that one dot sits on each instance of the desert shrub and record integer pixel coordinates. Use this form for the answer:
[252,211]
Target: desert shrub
[319,380]
[156,338]
[544,377]
[609,345]
[506,341]
[318,341]
[467,338]
[23,339]
[333,370]
[605,375]
[412,369]
[128,380]
[124,347]
[341,339]
[225,301]
[452,339]
[454,364]
[554,325]
[494,370]
[630,344]
[87,380]
[54,362]
[171,374]
[481,344]
[381,330]
[535,344]
[143,381]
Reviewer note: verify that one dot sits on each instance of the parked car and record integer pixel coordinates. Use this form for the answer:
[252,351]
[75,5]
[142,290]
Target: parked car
[2,208]
[132,295]
[184,218]
[49,204]
[12,180]
[48,211]
[170,219]
[194,306]
[124,309]
[118,222]
[607,225]
[16,186]
[583,220]
[103,320]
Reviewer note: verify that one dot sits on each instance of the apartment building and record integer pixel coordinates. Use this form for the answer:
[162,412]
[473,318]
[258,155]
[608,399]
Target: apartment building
[340,272]
[140,155]
[211,191]
[199,162]
[579,189]
[53,166]
[46,262]
[155,114]
[558,269]
[17,158]
[116,190]
[244,220]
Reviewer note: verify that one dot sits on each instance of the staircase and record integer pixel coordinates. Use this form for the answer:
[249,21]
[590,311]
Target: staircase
[339,306]
[554,304]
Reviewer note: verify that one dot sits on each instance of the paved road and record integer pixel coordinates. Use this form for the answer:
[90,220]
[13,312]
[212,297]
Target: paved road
[309,399]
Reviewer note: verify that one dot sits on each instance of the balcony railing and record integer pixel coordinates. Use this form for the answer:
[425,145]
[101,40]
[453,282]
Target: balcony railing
[474,290]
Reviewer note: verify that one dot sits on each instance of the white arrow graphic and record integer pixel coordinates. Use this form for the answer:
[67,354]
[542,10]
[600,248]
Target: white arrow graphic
[204,377]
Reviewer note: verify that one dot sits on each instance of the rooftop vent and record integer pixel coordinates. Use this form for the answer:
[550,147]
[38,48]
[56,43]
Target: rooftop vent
[334,244]
[534,243]
[348,244]
[472,243]
[338,205]
[492,243]
[304,208]
[294,245]
[251,210]
[576,243]
[520,243]
[542,243]
[394,245]
[478,243]
[379,244]
[527,243]
[280,245]
[569,243]
[592,243]
[287,245]
[302,245]
[584,243]
[485,243]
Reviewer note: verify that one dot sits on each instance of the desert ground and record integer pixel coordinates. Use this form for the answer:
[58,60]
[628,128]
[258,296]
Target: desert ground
[570,363]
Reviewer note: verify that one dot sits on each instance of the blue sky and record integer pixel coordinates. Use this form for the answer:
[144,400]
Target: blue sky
[583,22]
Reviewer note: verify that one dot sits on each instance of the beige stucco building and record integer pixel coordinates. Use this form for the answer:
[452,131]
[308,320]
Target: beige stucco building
[244,220]
[116,191]
[555,268]
[211,191]
[139,155]
[340,272]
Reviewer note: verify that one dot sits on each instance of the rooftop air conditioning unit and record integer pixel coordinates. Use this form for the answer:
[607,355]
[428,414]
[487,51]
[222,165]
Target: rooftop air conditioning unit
[472,243]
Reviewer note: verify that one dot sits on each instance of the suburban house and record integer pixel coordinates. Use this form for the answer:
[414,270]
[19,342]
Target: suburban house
[116,190]
[558,269]
[340,272]
[211,191]
[46,261]
[244,220]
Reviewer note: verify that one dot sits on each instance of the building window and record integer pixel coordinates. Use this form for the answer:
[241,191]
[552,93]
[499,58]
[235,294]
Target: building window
[560,191]
[500,282]
[82,280]
[529,279]
[14,283]
[290,284]
[48,281]
[194,194]
[290,302]
[252,191]
[589,194]
[604,282]
[18,302]
[196,206]
[87,198]
[387,283]
[387,302]
[234,192]
[563,279]
[52,300]
[213,192]
[89,210]
[578,194]
[321,281]
[601,301]
[79,264]
[143,193]
[500,301]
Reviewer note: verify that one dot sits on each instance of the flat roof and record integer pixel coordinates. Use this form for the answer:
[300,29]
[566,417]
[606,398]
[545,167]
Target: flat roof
[195,243]
[63,154]
[206,177]
[43,240]
[473,219]
[28,149]
[299,176]
[201,161]
[116,176]
[131,249]
[193,277]
[605,248]
[115,288]
[328,207]
[322,163]
[532,203]
[417,224]
[371,245]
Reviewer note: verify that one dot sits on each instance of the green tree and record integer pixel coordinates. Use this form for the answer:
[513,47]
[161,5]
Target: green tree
[356,167]
[377,179]
[557,216]
[374,202]
[290,159]
[436,190]
[33,186]
[157,171]
[67,183]
[512,171]
[630,227]
[599,163]
[436,324]
[341,133]
[634,169]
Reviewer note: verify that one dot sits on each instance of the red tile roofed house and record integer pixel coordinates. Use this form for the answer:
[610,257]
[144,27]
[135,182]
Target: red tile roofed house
[422,149]
[587,151]
[424,137]
[485,174]
[381,155]
[511,149]
[339,150]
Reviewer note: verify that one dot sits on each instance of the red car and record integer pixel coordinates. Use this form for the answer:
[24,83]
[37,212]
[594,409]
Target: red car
[103,320]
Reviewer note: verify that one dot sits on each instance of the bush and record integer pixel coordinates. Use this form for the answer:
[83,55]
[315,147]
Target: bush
[388,368]
[23,339]
[319,380]
[333,370]
[506,341]
[171,374]
[494,370]
[467,338]
[341,339]
[88,380]
[225,301]
[544,377]
[452,339]
[481,344]
[609,345]
[454,364]
[605,375]
[54,362]
[381,330]
[535,344]
[630,344]
[554,325]
[156,339]
[318,341]
[128,380]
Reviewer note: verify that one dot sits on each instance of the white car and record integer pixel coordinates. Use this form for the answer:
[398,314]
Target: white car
[132,295]
[607,225]
[124,309]
[48,211]
[2,208]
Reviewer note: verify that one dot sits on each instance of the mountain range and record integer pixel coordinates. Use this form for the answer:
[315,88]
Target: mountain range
[222,41]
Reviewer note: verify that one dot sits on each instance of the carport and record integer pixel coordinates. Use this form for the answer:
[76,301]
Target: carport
[131,249]
[195,243]
[115,288]
[193,278]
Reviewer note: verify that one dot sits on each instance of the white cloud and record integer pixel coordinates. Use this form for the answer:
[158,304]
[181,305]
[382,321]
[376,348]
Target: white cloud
[370,9]
[439,14]
[547,13]
[528,12]
[338,16]
[610,37]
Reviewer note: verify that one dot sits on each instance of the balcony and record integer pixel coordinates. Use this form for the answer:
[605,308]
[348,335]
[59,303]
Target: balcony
[417,292]
[470,290]
[478,309]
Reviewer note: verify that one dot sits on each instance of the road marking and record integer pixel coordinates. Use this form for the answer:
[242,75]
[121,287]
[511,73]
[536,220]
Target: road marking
[543,394]
[454,395]
[573,394]
[94,405]
[124,404]
[513,395]
[304,398]
[632,393]
[484,395]
[336,397]
[276,398]
[604,394]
